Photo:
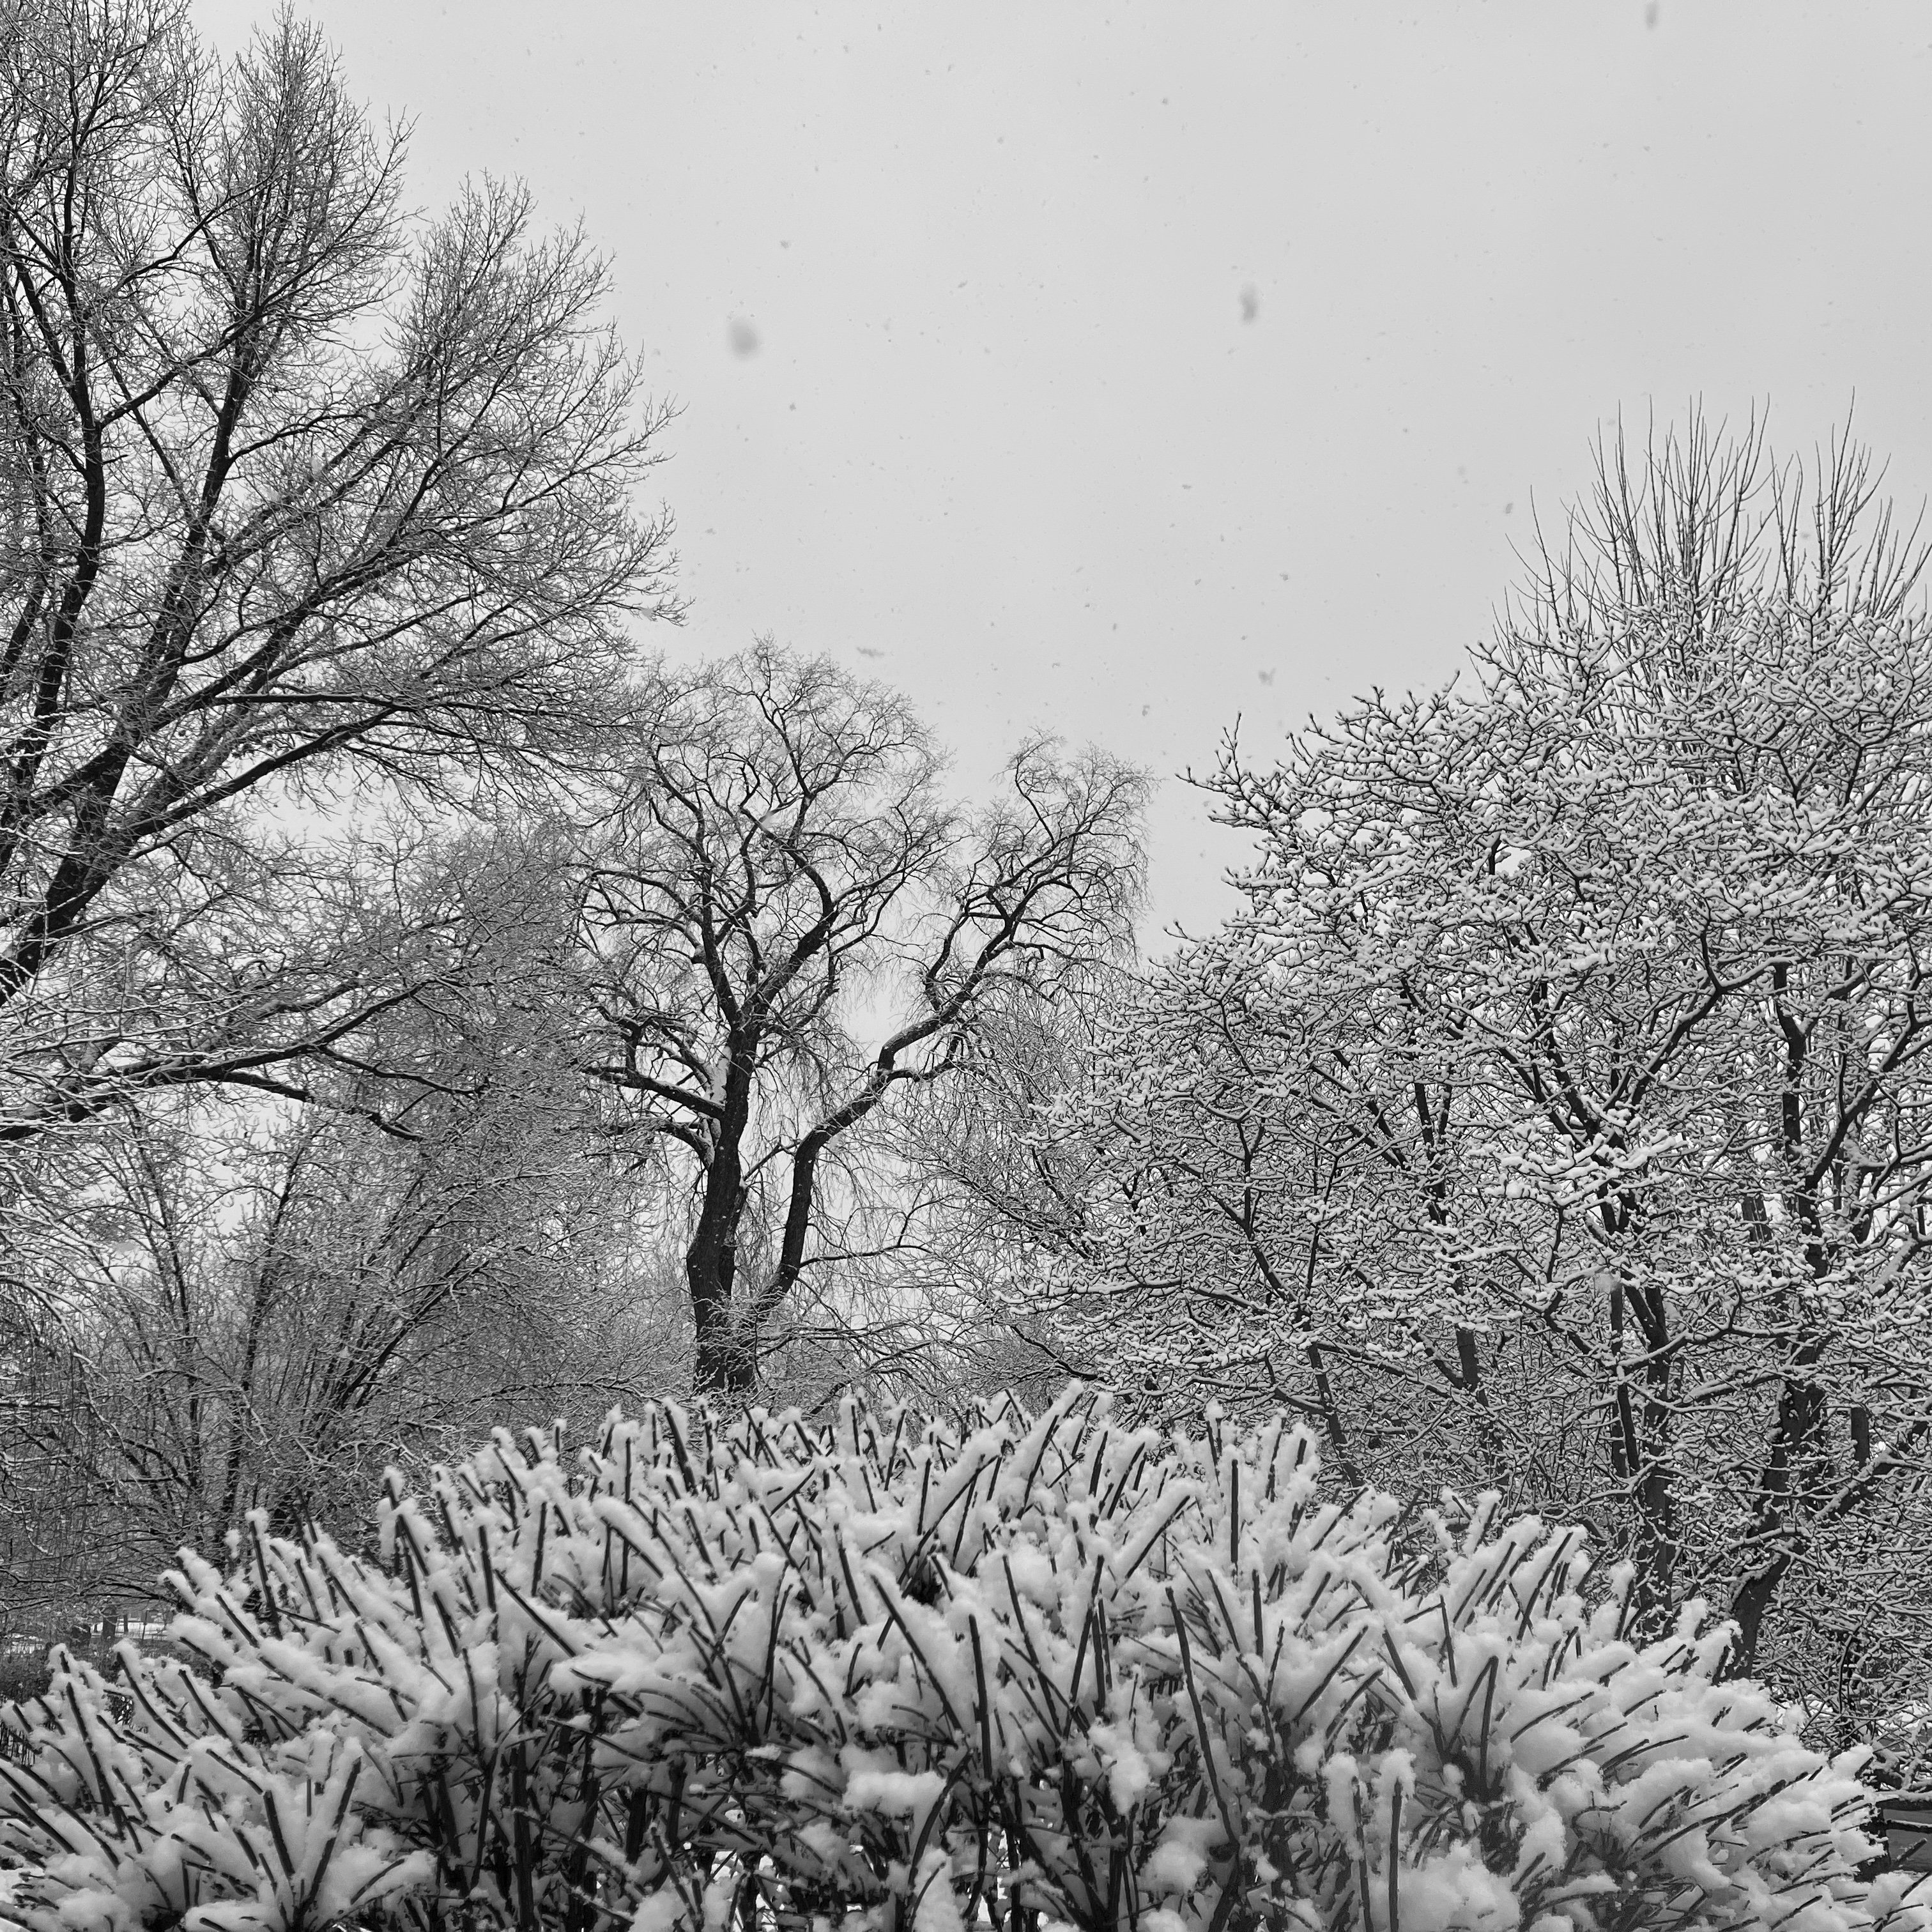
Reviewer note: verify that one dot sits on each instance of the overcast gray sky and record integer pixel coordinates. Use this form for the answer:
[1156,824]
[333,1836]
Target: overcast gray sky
[1128,370]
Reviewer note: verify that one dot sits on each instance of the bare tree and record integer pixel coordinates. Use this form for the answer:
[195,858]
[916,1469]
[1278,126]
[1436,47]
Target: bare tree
[778,876]
[297,494]
[1558,1115]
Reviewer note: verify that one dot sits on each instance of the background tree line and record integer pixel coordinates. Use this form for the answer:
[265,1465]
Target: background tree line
[423,1007]
[419,1005]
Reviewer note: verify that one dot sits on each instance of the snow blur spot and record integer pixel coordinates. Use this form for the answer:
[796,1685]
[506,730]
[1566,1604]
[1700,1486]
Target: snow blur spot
[742,337]
[1251,302]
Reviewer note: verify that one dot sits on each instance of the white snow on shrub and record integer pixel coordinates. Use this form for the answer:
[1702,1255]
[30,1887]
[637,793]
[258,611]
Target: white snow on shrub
[1037,1671]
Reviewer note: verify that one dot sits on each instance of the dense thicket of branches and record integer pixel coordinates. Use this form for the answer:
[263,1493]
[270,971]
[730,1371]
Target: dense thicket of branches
[1556,1115]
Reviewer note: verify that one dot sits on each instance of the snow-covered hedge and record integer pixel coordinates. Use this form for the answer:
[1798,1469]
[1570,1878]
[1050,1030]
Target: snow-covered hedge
[1049,1670]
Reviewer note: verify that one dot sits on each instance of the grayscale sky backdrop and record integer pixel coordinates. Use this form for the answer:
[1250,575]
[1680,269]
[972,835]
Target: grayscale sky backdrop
[1128,370]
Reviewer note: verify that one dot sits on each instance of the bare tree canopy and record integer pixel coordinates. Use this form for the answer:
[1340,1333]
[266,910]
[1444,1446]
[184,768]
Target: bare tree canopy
[1557,1115]
[294,487]
[780,869]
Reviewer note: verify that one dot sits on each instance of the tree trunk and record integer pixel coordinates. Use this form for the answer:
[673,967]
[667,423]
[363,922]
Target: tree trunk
[726,1361]
[1639,1435]
[1797,1437]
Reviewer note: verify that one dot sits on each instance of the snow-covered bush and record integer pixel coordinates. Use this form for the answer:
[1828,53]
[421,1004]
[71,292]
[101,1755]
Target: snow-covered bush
[1040,1669]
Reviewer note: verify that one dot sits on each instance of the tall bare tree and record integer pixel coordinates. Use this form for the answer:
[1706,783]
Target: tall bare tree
[1558,1114]
[298,493]
[785,923]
